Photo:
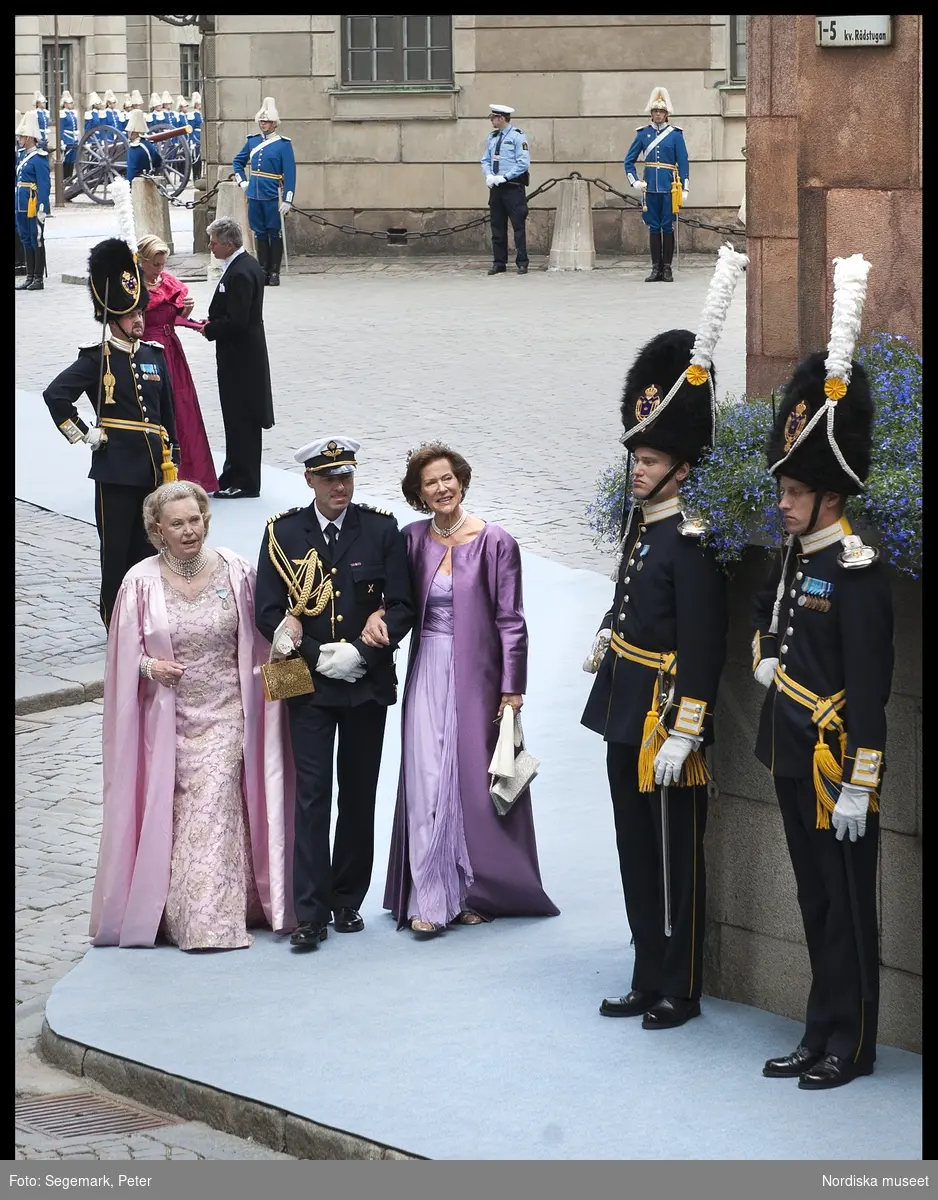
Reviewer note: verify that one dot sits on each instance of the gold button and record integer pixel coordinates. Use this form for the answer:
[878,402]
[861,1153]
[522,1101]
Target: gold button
[337,594]
[340,617]
[335,570]
[341,639]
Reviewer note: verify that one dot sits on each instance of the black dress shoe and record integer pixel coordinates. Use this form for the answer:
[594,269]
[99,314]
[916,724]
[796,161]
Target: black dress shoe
[788,1066]
[234,493]
[348,920]
[831,1072]
[308,935]
[522,268]
[497,270]
[628,1006]
[669,1012]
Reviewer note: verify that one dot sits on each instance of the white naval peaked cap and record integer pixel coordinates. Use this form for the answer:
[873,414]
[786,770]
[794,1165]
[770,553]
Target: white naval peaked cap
[502,108]
[135,97]
[67,97]
[268,111]
[109,95]
[329,456]
[167,100]
[136,121]
[659,98]
[155,99]
[29,125]
[196,98]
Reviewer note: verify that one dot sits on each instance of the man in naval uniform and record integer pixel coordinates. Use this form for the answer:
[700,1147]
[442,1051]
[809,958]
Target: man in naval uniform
[505,165]
[266,170]
[665,184]
[322,571]
[133,437]
[823,648]
[658,658]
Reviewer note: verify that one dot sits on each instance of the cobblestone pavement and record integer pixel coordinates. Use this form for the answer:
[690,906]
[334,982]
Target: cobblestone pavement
[522,375]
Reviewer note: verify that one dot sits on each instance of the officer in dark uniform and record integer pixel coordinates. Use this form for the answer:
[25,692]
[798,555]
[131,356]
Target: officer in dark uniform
[133,438]
[823,648]
[658,656]
[322,571]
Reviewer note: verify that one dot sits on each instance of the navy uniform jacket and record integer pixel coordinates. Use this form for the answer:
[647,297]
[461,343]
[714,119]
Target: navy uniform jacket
[369,570]
[834,632]
[670,149]
[142,159]
[671,596]
[142,393]
[32,179]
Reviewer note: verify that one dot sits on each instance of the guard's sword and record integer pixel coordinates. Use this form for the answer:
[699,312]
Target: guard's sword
[283,236]
[665,690]
[97,407]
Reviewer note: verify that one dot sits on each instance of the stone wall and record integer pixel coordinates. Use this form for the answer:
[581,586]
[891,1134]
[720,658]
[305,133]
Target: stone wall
[395,158]
[833,167]
[153,54]
[755,951]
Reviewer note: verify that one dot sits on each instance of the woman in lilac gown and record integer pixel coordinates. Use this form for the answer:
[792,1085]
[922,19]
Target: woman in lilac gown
[453,859]
[170,305]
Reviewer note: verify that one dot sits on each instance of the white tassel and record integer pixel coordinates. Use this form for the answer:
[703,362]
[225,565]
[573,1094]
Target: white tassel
[729,268]
[850,275]
[124,211]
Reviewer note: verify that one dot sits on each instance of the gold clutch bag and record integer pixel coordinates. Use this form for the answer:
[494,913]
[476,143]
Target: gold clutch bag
[287,678]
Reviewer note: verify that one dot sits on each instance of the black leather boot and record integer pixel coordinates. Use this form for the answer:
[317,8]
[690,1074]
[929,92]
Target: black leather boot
[19,262]
[30,270]
[657,266]
[668,255]
[276,257]
[36,284]
[263,256]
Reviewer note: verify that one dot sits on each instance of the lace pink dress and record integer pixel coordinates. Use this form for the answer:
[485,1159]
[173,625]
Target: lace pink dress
[212,893]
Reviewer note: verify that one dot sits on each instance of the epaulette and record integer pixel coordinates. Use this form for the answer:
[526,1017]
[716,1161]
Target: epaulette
[639,128]
[90,345]
[677,128]
[158,345]
[284,138]
[384,512]
[855,554]
[287,512]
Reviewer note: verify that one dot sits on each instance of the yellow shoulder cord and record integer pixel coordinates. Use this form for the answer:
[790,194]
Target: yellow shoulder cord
[301,584]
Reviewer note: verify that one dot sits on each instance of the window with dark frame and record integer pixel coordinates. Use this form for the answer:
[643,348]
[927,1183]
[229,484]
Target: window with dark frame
[738,56]
[48,70]
[190,70]
[397,50]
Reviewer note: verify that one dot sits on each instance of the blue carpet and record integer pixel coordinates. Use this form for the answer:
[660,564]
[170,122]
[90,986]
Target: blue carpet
[485,1043]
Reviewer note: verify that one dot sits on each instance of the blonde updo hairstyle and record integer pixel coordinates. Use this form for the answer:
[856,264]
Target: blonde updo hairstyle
[150,245]
[156,501]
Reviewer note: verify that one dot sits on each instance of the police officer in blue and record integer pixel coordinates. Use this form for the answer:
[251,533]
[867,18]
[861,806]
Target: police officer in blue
[69,133]
[321,572]
[142,158]
[133,438]
[666,183]
[31,206]
[505,166]
[266,170]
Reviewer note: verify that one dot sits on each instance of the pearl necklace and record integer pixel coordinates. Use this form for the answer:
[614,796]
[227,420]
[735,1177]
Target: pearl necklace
[445,533]
[188,568]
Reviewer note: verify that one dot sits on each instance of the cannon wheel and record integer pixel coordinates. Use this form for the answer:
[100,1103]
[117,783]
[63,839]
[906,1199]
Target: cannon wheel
[177,163]
[101,157]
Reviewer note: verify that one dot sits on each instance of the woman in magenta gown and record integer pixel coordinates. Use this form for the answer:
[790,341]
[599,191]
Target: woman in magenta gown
[453,859]
[170,305]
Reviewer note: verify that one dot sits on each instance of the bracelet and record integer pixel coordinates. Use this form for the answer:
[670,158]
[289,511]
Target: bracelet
[146,667]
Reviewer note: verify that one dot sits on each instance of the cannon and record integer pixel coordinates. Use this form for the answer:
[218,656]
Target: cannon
[102,156]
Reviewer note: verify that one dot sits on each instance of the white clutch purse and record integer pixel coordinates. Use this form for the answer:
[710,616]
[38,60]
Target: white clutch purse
[512,767]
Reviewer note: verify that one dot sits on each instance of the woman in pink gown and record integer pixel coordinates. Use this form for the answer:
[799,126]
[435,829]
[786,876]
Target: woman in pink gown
[170,305]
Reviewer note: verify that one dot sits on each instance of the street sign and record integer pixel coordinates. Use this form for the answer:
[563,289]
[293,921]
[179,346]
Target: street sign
[852,31]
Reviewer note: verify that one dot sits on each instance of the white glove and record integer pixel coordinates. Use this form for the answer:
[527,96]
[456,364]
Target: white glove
[599,648]
[94,437]
[344,662]
[765,671]
[671,757]
[640,185]
[499,179]
[490,179]
[285,206]
[684,196]
[243,184]
[41,216]
[849,815]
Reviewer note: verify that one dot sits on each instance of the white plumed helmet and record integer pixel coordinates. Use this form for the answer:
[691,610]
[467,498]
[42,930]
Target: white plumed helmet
[659,98]
[268,111]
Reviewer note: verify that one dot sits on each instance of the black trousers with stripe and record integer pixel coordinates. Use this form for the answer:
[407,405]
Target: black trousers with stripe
[118,514]
[667,966]
[838,1020]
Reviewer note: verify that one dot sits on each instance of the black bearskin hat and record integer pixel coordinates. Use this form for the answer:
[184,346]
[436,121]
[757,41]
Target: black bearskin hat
[685,427]
[114,279]
[813,462]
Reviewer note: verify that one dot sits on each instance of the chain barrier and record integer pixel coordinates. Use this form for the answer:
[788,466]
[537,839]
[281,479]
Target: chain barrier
[630,202]
[163,189]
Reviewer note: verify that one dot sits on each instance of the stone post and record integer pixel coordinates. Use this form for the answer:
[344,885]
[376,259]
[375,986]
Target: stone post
[151,211]
[572,247]
[230,202]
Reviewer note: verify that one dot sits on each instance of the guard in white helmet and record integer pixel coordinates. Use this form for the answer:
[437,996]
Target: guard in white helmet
[666,180]
[266,170]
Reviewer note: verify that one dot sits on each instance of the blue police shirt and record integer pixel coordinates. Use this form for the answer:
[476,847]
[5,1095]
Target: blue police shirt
[32,179]
[271,164]
[513,159]
[670,149]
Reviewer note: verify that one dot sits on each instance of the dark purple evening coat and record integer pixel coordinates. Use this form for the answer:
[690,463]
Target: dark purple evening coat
[490,652]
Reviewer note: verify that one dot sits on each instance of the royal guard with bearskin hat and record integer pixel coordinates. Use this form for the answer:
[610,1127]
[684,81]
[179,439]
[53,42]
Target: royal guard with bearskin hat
[823,648]
[133,437]
[658,658]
